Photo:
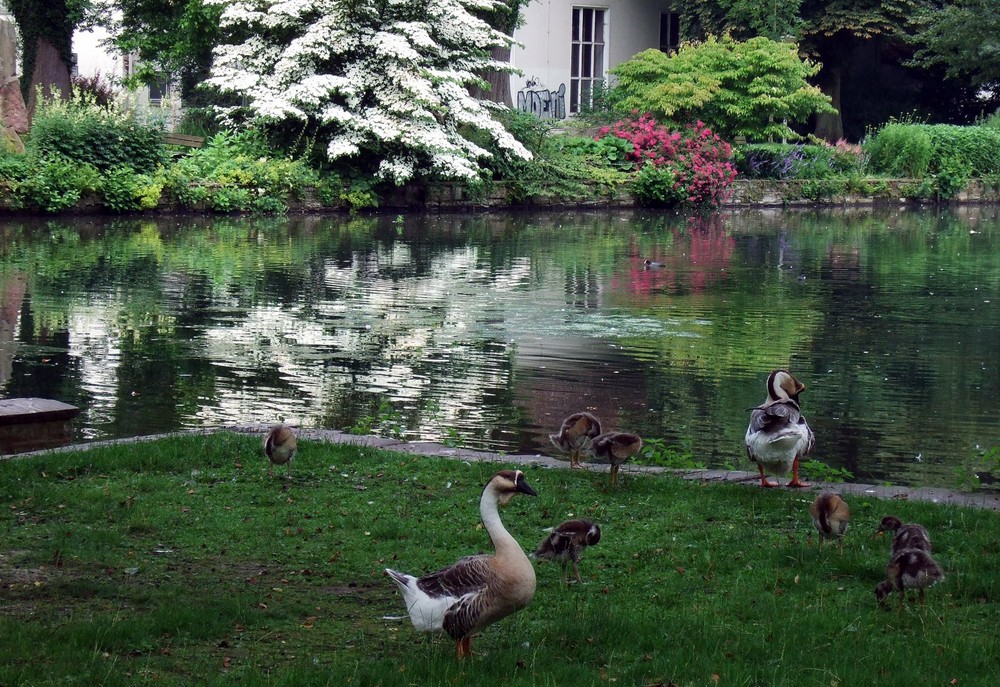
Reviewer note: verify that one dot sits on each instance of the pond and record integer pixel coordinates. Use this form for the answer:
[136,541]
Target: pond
[485,330]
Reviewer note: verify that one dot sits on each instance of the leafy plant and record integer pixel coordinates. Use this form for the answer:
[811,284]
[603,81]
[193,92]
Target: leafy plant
[104,136]
[752,88]
[696,167]
[124,190]
[826,473]
[656,452]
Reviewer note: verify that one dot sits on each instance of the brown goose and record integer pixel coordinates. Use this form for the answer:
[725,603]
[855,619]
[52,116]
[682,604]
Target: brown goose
[280,447]
[566,542]
[575,434]
[475,591]
[908,569]
[778,435]
[616,448]
[831,517]
[908,536]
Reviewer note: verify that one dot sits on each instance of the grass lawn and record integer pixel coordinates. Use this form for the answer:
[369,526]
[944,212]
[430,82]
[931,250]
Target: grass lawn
[181,562]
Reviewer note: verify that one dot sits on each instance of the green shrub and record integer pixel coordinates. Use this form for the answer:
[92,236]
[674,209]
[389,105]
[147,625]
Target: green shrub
[919,150]
[124,190]
[657,186]
[55,184]
[753,88]
[81,130]
[236,171]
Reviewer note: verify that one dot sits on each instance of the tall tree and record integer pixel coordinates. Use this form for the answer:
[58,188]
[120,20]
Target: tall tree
[46,28]
[964,38]
[384,83]
[168,37]
[504,17]
[828,31]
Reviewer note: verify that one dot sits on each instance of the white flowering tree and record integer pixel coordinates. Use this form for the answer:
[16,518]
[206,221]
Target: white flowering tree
[388,79]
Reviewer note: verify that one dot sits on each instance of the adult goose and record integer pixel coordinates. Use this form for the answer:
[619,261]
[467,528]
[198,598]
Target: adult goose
[565,544]
[575,434]
[778,435]
[280,448]
[475,591]
[831,517]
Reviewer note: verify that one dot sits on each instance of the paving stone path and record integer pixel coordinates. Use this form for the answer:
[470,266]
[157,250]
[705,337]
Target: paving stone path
[932,494]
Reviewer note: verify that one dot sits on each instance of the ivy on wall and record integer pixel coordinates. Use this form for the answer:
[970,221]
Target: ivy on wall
[53,20]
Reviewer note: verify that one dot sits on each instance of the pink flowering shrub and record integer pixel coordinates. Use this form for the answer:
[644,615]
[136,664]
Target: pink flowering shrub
[696,164]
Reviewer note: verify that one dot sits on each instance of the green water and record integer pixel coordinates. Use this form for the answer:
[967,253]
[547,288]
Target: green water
[486,330]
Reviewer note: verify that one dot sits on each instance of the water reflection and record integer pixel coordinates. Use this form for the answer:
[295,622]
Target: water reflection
[489,329]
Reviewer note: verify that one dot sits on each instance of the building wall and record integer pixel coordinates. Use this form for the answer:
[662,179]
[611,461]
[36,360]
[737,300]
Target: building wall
[545,47]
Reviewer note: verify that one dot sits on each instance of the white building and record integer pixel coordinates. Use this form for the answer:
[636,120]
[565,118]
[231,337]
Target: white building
[566,48]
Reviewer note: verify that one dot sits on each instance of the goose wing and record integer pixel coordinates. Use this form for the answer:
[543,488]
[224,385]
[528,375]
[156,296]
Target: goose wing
[465,576]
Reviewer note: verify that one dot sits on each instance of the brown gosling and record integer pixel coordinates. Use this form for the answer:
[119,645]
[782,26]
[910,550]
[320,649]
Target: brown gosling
[280,447]
[831,517]
[908,569]
[566,542]
[575,434]
[616,448]
[905,536]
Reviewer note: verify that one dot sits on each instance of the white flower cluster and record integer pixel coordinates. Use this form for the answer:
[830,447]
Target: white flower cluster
[390,77]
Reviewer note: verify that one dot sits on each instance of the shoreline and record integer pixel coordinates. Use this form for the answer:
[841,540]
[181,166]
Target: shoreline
[938,495]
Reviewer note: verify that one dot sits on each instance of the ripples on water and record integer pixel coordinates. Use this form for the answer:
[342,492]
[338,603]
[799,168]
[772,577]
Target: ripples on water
[487,330]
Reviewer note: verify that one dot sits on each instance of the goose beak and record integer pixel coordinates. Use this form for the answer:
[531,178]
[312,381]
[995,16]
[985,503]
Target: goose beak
[524,488]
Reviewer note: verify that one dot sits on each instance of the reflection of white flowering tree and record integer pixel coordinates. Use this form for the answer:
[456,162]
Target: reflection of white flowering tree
[387,78]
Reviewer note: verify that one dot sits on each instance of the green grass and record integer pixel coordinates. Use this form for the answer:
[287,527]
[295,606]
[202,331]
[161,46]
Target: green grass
[181,562]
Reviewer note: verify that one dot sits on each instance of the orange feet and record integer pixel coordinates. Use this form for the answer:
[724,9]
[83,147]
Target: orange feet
[763,479]
[796,482]
[463,647]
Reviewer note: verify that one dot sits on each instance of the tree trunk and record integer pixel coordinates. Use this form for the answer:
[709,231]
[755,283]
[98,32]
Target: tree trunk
[51,72]
[830,127]
[499,90]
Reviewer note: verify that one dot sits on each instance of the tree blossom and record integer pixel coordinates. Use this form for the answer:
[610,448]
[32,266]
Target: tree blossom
[385,79]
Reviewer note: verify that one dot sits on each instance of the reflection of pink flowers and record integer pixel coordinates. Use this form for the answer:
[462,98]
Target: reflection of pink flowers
[699,159]
[698,258]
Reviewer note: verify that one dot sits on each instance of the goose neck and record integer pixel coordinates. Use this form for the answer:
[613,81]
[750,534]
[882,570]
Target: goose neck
[489,509]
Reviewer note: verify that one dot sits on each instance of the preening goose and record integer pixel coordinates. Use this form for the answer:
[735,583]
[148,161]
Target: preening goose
[575,434]
[479,590]
[908,536]
[908,569]
[778,435]
[280,447]
[566,542]
[616,448]
[831,517]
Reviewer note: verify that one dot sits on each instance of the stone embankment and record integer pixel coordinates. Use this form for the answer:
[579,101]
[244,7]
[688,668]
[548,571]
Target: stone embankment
[426,448]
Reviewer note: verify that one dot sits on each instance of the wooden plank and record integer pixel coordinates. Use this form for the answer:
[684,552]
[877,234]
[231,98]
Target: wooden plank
[183,140]
[15,411]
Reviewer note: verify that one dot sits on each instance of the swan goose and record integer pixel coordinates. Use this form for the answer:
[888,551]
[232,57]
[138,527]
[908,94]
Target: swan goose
[475,591]
[778,435]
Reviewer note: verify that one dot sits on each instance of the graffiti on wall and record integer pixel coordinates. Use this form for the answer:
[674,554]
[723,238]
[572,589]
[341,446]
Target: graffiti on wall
[538,100]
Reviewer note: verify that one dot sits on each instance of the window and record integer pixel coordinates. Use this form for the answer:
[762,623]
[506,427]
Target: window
[670,32]
[587,59]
